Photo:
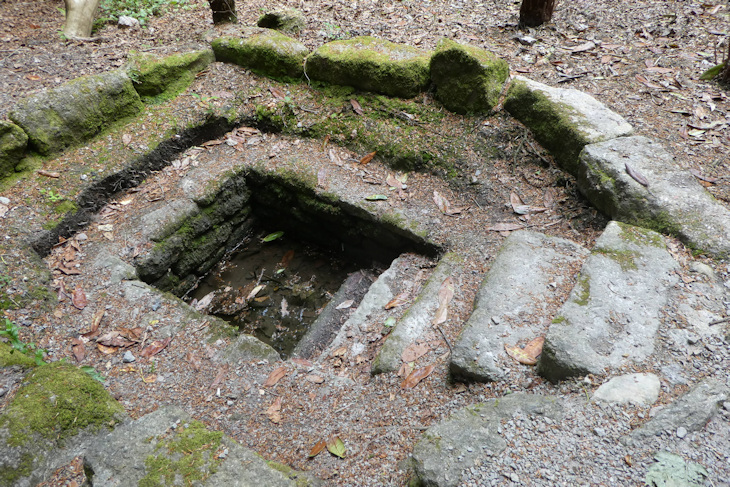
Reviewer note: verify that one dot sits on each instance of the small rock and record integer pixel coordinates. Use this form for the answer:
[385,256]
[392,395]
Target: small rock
[681,432]
[2,391]
[128,357]
[704,269]
[81,237]
[127,21]
[600,432]
[514,477]
[4,200]
[526,40]
[726,405]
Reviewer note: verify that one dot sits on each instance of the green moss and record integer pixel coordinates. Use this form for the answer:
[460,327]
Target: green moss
[371,64]
[56,402]
[264,51]
[559,319]
[11,475]
[9,357]
[583,290]
[157,80]
[188,452]
[290,473]
[625,258]
[65,206]
[550,122]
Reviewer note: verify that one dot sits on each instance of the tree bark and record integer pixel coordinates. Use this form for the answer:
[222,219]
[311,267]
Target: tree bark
[224,11]
[80,17]
[536,12]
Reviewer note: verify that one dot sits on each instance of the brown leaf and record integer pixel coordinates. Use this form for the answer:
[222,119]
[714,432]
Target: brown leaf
[527,355]
[504,227]
[445,207]
[194,361]
[399,300]
[586,46]
[277,93]
[394,183]
[314,379]
[534,347]
[446,293]
[275,376]
[219,377]
[286,260]
[78,298]
[636,175]
[95,322]
[340,352]
[77,347]
[548,199]
[114,339]
[155,347]
[699,176]
[274,411]
[48,174]
[414,351]
[302,362]
[106,350]
[416,376]
[368,157]
[317,448]
[356,106]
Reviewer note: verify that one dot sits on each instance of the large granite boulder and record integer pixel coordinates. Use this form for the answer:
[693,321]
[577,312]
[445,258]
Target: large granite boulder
[467,79]
[371,64]
[76,111]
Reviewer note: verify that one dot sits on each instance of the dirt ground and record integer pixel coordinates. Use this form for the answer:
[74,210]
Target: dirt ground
[643,59]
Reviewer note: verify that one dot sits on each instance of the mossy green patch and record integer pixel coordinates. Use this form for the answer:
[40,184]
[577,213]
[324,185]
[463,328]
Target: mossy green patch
[371,64]
[9,357]
[551,123]
[299,479]
[13,142]
[467,79]
[624,258]
[157,80]
[264,51]
[10,475]
[582,290]
[57,401]
[189,453]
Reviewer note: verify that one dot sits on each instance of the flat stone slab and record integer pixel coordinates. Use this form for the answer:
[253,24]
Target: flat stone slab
[673,201]
[512,299]
[166,444]
[640,389]
[612,315]
[563,120]
[371,64]
[417,319]
[467,79]
[266,51]
[692,412]
[168,76]
[471,435]
[76,111]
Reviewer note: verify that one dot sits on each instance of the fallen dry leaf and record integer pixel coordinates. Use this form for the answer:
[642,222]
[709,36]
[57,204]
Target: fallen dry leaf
[78,298]
[393,182]
[286,260]
[114,339]
[275,376]
[527,355]
[399,300]
[636,175]
[48,174]
[368,157]
[314,379]
[414,351]
[336,447]
[155,347]
[274,411]
[77,347]
[317,448]
[446,293]
[340,352]
[534,347]
[219,377]
[356,106]
[504,227]
[277,93]
[416,376]
[106,350]
[302,362]
[193,360]
[345,304]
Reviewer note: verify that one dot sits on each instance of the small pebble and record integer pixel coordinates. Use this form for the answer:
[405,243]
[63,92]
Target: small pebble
[514,477]
[681,432]
[600,432]
[128,357]
[4,200]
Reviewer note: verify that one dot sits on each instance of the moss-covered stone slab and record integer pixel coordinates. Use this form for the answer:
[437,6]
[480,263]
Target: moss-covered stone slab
[288,21]
[76,111]
[167,77]
[417,320]
[264,51]
[563,120]
[673,201]
[613,313]
[523,277]
[371,64]
[467,79]
[13,142]
[168,447]
[57,408]
[471,436]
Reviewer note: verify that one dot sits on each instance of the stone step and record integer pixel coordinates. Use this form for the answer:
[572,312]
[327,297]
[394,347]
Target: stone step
[416,322]
[612,315]
[514,301]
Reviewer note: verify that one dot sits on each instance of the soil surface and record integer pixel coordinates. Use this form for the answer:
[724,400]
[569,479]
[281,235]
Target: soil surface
[642,59]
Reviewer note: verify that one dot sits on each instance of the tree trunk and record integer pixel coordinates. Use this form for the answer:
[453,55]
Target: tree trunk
[536,12]
[80,17]
[223,11]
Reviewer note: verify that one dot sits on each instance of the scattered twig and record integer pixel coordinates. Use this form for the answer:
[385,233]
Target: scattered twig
[445,339]
[717,322]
